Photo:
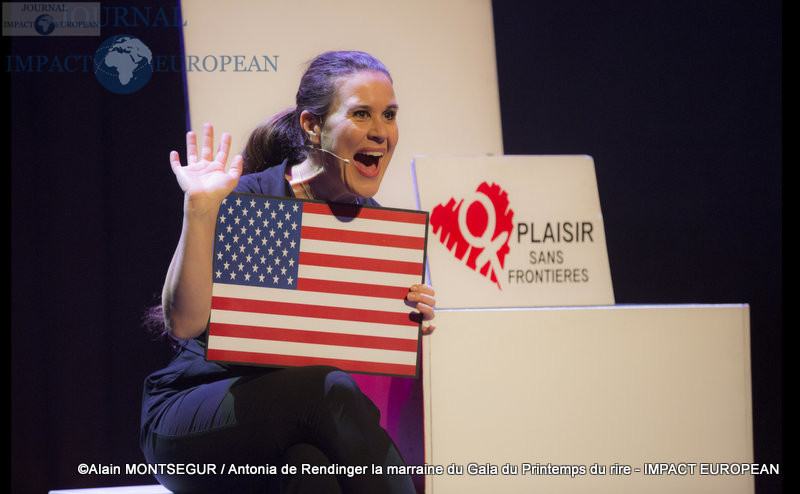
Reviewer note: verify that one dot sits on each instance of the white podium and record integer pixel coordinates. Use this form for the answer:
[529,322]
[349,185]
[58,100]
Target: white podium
[564,400]
[534,381]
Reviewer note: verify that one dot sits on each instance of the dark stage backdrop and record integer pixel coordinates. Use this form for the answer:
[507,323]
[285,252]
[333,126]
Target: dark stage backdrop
[95,215]
[678,102]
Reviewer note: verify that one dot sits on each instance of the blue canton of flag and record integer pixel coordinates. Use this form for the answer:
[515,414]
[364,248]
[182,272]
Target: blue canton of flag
[258,242]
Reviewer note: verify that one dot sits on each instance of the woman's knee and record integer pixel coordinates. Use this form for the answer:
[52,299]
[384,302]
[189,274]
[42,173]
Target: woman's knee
[338,380]
[330,382]
[340,387]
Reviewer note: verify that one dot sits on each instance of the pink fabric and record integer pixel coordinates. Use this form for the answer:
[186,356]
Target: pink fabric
[400,402]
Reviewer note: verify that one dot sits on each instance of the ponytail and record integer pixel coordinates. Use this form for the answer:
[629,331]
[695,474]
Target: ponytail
[275,140]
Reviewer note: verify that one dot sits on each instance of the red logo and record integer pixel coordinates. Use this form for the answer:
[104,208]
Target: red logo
[477,229]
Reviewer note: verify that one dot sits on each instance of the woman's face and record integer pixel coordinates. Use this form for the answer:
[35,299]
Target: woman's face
[361,128]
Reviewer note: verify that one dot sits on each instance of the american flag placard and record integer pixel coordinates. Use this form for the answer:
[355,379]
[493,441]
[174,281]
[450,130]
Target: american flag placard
[309,283]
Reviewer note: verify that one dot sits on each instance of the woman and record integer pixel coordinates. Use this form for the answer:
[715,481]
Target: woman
[334,146]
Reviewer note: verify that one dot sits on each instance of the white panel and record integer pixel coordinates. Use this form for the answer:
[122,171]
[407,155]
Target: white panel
[441,56]
[627,385]
[537,225]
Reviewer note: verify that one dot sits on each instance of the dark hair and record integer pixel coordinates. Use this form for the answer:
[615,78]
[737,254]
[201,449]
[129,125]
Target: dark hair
[153,322]
[281,138]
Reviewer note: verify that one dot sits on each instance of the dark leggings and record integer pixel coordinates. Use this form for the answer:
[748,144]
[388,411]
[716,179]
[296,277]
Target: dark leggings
[306,416]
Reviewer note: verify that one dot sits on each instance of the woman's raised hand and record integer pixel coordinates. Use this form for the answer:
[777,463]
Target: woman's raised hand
[205,180]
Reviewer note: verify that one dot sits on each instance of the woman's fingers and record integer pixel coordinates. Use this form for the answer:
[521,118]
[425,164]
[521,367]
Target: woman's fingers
[174,159]
[208,142]
[191,147]
[206,148]
[224,148]
[423,303]
[422,294]
[421,297]
[207,174]
[235,170]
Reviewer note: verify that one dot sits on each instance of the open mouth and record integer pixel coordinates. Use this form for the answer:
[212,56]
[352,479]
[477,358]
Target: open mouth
[368,162]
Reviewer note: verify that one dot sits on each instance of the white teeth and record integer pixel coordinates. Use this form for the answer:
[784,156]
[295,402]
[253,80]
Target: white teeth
[373,153]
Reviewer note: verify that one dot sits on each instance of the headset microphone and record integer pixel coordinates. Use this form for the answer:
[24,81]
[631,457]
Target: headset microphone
[329,152]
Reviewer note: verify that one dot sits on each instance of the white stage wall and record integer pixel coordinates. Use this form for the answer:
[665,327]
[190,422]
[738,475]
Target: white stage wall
[441,55]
